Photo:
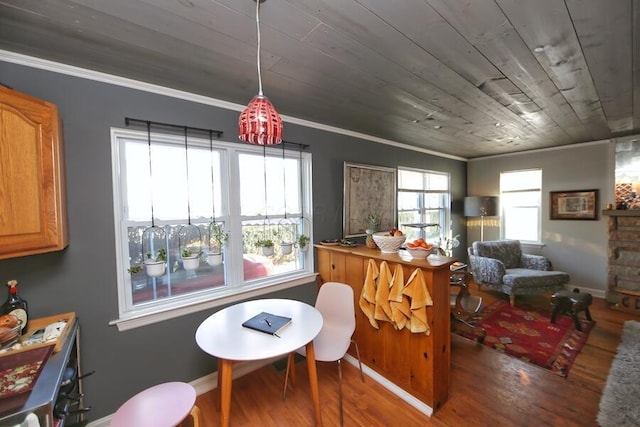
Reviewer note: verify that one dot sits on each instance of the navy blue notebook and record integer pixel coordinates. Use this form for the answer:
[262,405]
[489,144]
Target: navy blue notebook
[268,323]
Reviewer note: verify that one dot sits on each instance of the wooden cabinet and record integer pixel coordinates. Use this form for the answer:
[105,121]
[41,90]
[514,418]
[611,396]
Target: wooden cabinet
[33,215]
[416,362]
[331,266]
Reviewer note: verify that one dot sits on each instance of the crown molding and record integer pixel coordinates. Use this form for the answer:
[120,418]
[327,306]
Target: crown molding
[70,70]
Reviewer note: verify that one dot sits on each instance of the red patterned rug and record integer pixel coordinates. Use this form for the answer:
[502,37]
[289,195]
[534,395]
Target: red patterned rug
[528,334]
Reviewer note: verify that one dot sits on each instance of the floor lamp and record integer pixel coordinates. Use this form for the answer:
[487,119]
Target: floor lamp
[481,206]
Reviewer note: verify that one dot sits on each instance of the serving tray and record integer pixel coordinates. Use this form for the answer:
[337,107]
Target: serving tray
[38,323]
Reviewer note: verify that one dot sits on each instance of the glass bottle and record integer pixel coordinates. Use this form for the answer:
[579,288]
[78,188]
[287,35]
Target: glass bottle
[16,305]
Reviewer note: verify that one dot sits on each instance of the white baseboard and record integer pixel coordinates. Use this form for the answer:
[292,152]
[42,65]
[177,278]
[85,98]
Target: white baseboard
[598,293]
[402,394]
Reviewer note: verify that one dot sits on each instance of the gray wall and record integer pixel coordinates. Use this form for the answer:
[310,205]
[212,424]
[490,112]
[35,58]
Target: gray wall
[82,278]
[578,247]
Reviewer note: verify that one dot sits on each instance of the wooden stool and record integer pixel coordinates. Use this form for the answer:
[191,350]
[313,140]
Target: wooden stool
[571,303]
[162,405]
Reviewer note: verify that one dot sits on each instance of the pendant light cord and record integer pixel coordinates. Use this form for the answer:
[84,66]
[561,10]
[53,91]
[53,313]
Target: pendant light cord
[213,191]
[258,51]
[150,172]
[284,183]
[301,185]
[264,157]
[186,163]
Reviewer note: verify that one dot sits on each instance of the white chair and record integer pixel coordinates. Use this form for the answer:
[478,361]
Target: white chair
[336,304]
[166,404]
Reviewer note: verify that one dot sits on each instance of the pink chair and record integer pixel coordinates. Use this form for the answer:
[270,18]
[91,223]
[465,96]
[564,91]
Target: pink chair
[336,304]
[163,405]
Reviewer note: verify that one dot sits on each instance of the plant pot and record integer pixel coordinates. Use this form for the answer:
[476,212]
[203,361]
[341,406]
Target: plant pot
[304,247]
[214,258]
[155,268]
[267,250]
[286,248]
[191,263]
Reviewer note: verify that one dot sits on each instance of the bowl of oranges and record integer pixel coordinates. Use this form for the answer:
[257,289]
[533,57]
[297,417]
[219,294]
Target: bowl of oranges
[419,248]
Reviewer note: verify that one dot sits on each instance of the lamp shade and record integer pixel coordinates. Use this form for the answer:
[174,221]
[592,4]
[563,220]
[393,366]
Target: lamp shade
[260,123]
[481,206]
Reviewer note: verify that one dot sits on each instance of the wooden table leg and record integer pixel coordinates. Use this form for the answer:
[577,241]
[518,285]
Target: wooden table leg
[292,362]
[225,376]
[313,381]
[218,394]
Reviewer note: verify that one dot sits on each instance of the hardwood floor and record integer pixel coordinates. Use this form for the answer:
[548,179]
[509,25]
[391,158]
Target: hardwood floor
[487,388]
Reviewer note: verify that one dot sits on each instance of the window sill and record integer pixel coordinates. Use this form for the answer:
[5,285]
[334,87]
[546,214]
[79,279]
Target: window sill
[137,320]
[535,245]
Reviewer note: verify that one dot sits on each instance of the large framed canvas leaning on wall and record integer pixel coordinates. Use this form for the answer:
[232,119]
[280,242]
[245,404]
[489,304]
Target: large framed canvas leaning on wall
[368,190]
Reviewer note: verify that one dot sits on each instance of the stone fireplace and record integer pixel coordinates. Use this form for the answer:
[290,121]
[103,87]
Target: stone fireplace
[623,288]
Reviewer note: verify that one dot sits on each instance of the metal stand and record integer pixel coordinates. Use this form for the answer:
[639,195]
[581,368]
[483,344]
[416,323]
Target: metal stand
[422,226]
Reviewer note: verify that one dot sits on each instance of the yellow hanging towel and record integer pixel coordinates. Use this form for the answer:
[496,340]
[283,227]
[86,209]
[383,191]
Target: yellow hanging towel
[400,306]
[383,309]
[416,290]
[367,300]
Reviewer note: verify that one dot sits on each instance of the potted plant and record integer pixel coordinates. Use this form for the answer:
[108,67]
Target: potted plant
[267,246]
[190,260]
[155,266]
[286,248]
[285,239]
[134,269]
[303,242]
[217,239]
[214,257]
[372,222]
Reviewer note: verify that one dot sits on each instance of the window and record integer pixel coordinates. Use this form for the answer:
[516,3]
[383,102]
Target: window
[520,196]
[424,204]
[187,189]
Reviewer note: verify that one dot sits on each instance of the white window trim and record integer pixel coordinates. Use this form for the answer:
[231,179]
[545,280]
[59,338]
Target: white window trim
[192,303]
[534,245]
[125,323]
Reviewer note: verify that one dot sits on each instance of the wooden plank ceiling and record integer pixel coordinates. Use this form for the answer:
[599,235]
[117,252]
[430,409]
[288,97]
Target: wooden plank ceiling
[467,78]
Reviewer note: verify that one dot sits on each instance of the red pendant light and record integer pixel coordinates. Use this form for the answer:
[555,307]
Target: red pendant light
[260,123]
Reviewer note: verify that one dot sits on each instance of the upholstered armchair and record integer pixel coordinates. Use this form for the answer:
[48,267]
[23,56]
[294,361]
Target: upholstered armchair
[501,265]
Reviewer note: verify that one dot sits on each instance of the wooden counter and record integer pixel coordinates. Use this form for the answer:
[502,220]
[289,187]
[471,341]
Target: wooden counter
[417,363]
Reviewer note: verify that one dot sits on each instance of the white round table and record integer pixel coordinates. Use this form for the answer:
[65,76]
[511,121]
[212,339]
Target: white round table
[223,336]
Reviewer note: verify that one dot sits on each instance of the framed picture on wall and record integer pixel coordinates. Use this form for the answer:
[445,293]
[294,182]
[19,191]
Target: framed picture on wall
[368,190]
[579,204]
